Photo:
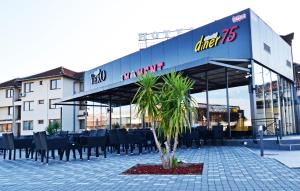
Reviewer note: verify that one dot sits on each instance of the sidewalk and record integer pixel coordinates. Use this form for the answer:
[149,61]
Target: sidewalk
[225,169]
[289,158]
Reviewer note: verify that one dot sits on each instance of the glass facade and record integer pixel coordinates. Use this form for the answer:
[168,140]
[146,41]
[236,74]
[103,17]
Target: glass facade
[240,111]
[273,100]
[121,117]
[239,108]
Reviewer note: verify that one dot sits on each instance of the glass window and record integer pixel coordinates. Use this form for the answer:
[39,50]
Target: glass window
[289,109]
[81,87]
[217,98]
[40,122]
[201,118]
[136,121]
[9,93]
[268,102]
[97,116]
[94,118]
[10,110]
[55,84]
[41,82]
[5,127]
[52,102]
[240,111]
[116,117]
[259,95]
[41,101]
[28,125]
[28,105]
[51,121]
[90,123]
[81,124]
[125,116]
[28,87]
[104,117]
[275,95]
[82,105]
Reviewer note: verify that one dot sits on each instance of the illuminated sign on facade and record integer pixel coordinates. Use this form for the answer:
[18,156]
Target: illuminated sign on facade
[213,40]
[141,71]
[239,18]
[98,76]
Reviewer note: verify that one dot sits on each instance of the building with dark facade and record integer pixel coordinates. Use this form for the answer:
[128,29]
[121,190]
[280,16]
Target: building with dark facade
[243,73]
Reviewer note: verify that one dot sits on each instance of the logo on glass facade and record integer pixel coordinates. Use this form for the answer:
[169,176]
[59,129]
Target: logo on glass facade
[213,40]
[98,76]
[238,18]
[141,71]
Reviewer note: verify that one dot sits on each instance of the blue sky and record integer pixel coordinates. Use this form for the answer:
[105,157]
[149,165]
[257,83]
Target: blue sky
[37,35]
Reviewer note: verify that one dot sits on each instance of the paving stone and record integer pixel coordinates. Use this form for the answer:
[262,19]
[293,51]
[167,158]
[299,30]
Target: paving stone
[225,168]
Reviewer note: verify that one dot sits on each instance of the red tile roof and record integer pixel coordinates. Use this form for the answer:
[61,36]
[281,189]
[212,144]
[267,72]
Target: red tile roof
[56,72]
[11,83]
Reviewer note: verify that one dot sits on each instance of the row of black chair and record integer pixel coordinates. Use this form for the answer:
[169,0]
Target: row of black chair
[11,145]
[63,142]
[201,133]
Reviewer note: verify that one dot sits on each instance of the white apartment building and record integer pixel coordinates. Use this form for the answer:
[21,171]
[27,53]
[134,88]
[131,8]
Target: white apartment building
[9,92]
[34,102]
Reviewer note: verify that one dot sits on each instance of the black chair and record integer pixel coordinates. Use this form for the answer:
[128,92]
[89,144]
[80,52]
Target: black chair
[137,137]
[74,143]
[195,136]
[123,139]
[37,144]
[186,139]
[150,143]
[6,145]
[51,144]
[217,134]
[97,138]
[203,133]
[1,145]
[114,140]
[11,144]
[61,133]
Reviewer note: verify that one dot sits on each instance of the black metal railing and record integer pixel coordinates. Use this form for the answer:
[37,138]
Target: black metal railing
[271,127]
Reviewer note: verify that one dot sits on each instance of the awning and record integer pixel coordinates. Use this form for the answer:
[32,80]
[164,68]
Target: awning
[122,93]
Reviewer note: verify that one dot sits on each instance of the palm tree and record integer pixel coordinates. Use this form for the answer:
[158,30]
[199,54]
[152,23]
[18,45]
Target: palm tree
[168,102]
[146,99]
[176,105]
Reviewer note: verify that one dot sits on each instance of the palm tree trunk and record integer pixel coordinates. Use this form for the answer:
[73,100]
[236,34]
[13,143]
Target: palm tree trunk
[175,146]
[158,145]
[168,152]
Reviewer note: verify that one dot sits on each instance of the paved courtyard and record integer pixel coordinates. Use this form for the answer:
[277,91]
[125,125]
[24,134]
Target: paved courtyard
[225,168]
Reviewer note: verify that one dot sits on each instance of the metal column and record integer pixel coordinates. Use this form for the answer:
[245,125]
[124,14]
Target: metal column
[110,112]
[189,114]
[207,102]
[120,116]
[61,114]
[252,98]
[227,102]
[130,115]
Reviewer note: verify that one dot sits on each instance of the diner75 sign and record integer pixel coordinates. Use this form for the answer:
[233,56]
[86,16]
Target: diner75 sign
[228,35]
